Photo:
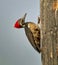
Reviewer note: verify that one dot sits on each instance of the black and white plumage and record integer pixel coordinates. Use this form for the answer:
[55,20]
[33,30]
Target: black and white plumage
[32,31]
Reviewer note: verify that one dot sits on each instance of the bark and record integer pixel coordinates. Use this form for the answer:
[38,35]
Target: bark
[49,31]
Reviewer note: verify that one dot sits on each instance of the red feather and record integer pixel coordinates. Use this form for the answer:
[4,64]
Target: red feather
[17,25]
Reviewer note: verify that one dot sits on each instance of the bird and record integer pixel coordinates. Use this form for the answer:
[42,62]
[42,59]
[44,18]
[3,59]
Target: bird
[32,32]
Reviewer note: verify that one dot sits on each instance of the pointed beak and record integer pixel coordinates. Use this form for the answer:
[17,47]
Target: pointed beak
[17,25]
[24,16]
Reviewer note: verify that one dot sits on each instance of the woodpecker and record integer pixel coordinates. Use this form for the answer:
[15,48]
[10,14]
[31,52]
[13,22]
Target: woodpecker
[32,31]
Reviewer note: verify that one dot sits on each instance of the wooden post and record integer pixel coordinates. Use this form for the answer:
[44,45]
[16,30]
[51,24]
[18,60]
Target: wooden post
[49,31]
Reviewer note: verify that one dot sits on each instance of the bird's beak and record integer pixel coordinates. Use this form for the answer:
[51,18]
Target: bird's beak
[23,18]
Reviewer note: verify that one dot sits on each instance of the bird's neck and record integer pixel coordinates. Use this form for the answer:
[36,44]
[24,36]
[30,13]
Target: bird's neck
[23,25]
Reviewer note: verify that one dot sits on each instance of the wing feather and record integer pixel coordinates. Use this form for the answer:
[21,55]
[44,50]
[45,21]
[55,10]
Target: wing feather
[30,37]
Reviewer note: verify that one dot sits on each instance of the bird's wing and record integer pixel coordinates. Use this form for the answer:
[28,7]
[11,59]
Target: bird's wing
[30,37]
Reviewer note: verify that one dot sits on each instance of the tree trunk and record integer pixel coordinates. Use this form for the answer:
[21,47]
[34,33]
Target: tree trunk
[49,31]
